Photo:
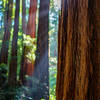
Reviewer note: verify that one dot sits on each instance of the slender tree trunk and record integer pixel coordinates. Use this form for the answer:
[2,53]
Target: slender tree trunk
[41,70]
[5,42]
[22,70]
[24,16]
[13,64]
[78,75]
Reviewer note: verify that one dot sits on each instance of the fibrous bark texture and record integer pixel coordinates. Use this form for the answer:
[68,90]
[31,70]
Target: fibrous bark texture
[78,75]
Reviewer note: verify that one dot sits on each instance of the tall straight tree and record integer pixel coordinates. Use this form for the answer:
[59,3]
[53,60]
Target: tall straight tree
[22,69]
[13,63]
[28,67]
[5,42]
[31,26]
[31,31]
[78,75]
[24,16]
[41,69]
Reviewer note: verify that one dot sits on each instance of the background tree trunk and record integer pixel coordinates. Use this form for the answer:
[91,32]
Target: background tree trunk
[41,69]
[13,64]
[22,69]
[5,42]
[31,30]
[31,26]
[24,16]
[78,75]
[28,67]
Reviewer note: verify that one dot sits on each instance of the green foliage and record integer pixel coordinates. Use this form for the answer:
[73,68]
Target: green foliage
[30,47]
[3,75]
[52,79]
[15,93]
[53,30]
[8,93]
[20,92]
[3,67]
[24,92]
[53,61]
[0,43]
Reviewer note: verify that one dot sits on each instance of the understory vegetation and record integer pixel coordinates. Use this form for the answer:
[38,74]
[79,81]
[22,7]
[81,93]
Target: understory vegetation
[28,45]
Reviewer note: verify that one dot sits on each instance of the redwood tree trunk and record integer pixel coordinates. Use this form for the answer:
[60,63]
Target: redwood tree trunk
[31,30]
[13,64]
[41,69]
[5,42]
[31,26]
[78,75]
[27,67]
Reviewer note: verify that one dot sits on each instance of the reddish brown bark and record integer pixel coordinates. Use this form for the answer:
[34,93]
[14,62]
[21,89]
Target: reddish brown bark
[31,26]
[27,67]
[78,75]
[31,30]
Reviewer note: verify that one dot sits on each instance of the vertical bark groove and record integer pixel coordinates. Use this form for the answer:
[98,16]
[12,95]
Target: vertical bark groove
[78,55]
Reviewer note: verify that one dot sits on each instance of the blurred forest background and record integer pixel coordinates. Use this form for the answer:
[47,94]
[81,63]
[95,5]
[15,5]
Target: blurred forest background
[28,29]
